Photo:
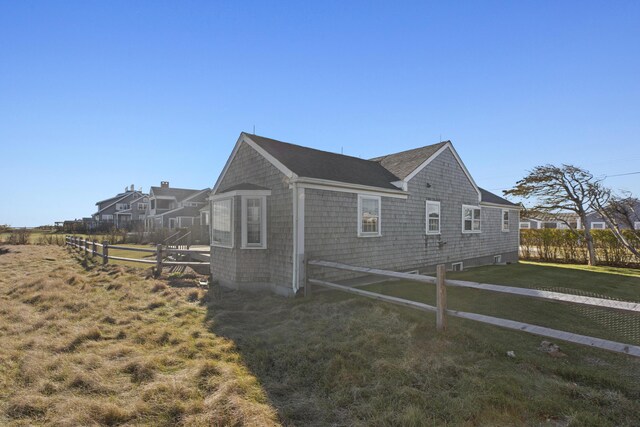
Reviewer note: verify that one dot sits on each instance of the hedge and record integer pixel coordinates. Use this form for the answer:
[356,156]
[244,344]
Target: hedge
[549,244]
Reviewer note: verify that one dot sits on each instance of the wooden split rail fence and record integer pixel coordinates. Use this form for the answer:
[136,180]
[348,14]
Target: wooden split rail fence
[442,311]
[90,248]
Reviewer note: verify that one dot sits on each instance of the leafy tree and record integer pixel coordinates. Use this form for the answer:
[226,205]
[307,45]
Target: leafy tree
[560,189]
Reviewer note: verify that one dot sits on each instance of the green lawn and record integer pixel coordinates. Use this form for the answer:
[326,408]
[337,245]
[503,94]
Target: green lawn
[340,359]
[604,282]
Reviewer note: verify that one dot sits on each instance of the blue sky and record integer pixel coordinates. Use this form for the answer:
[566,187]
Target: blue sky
[95,96]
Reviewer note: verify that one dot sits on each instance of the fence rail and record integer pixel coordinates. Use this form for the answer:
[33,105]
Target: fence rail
[441,308]
[90,249]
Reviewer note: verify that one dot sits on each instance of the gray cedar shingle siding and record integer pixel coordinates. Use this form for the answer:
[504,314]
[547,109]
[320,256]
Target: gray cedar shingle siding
[331,220]
[331,226]
[273,265]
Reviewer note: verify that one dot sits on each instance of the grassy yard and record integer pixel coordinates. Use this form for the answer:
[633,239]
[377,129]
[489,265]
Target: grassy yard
[604,282]
[109,346]
[337,359]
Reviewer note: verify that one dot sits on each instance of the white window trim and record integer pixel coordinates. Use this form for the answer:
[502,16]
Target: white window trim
[263,223]
[426,211]
[505,230]
[497,259]
[480,219]
[204,218]
[231,210]
[106,217]
[369,234]
[454,264]
[636,225]
[525,226]
[142,206]
[604,226]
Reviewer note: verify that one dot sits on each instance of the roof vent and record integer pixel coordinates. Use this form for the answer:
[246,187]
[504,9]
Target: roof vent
[164,184]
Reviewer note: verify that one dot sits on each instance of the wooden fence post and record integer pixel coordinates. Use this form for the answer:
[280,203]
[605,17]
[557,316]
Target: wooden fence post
[86,247]
[441,298]
[93,248]
[105,252]
[158,260]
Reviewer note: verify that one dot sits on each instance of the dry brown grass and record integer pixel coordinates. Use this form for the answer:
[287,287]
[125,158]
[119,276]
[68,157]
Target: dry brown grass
[105,346]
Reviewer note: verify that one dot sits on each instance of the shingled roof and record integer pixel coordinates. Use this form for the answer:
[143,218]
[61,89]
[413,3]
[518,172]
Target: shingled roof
[489,197]
[312,163]
[403,163]
[178,193]
[377,172]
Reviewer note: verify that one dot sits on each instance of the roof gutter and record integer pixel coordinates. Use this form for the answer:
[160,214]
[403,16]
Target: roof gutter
[324,184]
[498,205]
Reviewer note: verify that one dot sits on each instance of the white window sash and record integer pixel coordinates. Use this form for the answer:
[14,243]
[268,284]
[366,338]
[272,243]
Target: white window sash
[505,221]
[231,227]
[361,232]
[432,204]
[600,225]
[263,223]
[475,220]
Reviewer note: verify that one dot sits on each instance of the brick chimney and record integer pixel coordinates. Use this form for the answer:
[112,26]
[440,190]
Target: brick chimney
[164,184]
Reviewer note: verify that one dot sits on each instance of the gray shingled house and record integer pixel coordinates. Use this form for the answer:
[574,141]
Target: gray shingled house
[116,211]
[274,202]
[630,221]
[174,207]
[135,214]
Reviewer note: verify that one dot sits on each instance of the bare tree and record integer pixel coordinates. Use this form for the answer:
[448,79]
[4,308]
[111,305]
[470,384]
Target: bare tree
[556,190]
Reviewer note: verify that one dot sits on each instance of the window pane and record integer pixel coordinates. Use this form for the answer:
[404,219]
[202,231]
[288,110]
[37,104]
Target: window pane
[254,226]
[433,217]
[221,222]
[370,215]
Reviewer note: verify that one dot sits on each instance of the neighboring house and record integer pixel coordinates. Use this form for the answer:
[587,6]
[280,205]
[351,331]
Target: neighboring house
[276,202]
[174,207]
[135,214]
[632,221]
[551,221]
[109,210]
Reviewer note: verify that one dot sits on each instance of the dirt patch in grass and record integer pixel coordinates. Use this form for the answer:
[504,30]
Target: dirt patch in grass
[107,346]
